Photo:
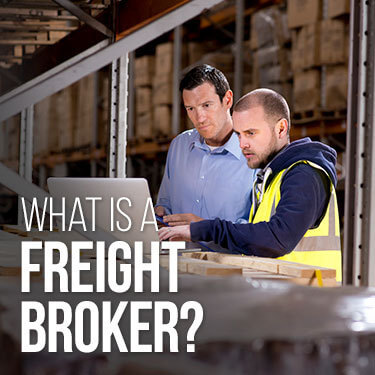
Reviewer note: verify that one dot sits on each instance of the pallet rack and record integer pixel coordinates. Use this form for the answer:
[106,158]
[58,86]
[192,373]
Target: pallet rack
[359,244]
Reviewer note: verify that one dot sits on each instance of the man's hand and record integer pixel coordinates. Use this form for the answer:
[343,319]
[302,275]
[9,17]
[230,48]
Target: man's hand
[179,233]
[181,219]
[160,211]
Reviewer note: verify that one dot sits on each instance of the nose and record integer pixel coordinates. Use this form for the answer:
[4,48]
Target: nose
[244,143]
[201,116]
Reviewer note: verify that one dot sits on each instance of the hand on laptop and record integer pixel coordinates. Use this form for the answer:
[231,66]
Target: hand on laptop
[181,219]
[179,233]
[160,211]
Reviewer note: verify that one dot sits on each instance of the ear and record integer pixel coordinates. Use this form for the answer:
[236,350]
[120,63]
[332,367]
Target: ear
[282,128]
[228,99]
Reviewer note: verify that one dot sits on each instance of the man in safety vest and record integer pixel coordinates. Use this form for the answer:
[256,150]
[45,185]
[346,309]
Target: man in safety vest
[294,213]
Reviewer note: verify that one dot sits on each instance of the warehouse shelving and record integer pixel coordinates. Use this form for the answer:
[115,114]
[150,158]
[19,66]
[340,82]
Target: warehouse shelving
[359,138]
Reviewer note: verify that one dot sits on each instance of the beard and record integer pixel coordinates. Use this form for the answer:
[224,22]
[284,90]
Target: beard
[261,159]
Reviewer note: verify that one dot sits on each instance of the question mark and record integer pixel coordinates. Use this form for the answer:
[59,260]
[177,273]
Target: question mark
[198,317]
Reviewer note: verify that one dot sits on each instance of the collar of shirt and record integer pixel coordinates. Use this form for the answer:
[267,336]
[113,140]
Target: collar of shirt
[232,145]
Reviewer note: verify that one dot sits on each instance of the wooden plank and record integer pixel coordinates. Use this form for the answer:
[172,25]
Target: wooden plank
[304,271]
[261,264]
[26,42]
[207,268]
[264,264]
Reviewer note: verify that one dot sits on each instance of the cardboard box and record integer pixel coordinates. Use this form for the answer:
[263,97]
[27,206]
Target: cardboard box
[162,120]
[312,45]
[162,89]
[196,50]
[303,12]
[298,50]
[285,89]
[273,55]
[333,42]
[306,90]
[269,27]
[223,61]
[144,125]
[271,65]
[338,7]
[336,87]
[143,99]
[144,70]
[164,58]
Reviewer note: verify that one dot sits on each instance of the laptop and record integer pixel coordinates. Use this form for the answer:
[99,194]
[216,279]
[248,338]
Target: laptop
[126,198]
[131,196]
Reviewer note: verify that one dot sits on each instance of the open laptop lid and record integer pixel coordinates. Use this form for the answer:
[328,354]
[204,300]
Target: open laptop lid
[114,190]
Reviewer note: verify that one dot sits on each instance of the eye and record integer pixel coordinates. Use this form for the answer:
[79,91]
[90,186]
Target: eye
[206,105]
[189,109]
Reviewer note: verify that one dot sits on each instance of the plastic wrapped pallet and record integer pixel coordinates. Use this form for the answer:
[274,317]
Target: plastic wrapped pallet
[336,87]
[303,12]
[333,40]
[306,90]
[269,27]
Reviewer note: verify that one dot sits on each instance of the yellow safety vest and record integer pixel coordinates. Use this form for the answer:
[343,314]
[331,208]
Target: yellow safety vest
[319,246]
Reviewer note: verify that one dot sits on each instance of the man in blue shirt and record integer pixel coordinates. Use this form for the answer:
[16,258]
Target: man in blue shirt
[205,175]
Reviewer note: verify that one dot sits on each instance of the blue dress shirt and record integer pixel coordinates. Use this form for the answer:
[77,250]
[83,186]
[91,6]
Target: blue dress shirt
[207,183]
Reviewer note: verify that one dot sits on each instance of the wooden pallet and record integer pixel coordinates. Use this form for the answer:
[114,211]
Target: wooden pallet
[303,117]
[267,268]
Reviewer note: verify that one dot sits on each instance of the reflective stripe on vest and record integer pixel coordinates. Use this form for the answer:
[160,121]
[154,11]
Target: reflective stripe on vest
[319,246]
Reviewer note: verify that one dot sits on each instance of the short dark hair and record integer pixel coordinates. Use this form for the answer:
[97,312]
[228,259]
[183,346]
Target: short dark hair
[205,73]
[274,105]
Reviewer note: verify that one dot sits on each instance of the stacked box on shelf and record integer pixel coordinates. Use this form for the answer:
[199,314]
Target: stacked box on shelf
[337,8]
[304,18]
[334,54]
[196,50]
[306,90]
[333,48]
[144,70]
[162,89]
[271,55]
[144,75]
[303,12]
[317,43]
[336,87]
